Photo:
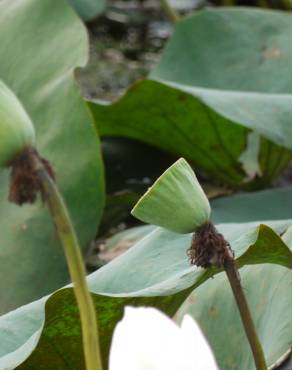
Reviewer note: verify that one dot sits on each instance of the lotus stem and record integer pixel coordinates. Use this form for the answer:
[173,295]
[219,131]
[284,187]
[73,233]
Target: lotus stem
[246,317]
[76,267]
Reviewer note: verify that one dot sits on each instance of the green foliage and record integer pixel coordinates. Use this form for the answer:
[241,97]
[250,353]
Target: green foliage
[224,103]
[273,204]
[155,272]
[209,93]
[268,290]
[41,42]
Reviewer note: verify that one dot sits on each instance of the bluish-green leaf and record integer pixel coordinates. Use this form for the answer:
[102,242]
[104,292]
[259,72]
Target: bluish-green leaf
[41,43]
[208,94]
[155,272]
[272,204]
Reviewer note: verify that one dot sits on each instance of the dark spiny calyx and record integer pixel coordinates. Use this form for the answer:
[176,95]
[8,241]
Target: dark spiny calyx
[24,181]
[209,248]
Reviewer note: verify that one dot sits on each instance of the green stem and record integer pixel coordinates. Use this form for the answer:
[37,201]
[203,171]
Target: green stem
[74,258]
[169,11]
[255,344]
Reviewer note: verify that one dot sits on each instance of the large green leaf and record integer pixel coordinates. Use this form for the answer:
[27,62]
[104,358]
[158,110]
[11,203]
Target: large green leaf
[229,112]
[268,289]
[41,42]
[269,292]
[272,204]
[155,272]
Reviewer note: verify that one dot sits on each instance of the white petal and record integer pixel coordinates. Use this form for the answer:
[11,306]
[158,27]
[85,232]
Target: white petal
[146,339]
[198,344]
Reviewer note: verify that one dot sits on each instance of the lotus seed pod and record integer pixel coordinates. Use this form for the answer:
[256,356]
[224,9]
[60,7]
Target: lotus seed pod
[16,129]
[176,201]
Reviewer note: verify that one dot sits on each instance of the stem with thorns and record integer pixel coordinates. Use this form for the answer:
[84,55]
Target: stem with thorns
[70,243]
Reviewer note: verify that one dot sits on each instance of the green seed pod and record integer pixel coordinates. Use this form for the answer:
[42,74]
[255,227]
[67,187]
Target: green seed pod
[16,129]
[176,201]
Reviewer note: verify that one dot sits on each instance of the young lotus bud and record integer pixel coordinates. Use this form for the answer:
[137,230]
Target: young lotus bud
[176,201]
[16,129]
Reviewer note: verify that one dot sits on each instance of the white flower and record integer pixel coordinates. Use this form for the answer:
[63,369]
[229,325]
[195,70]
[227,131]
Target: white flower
[146,339]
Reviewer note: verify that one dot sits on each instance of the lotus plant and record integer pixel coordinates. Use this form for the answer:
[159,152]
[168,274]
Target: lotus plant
[177,202]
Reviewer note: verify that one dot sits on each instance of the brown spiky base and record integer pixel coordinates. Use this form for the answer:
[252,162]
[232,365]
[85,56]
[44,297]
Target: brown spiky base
[24,180]
[209,248]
